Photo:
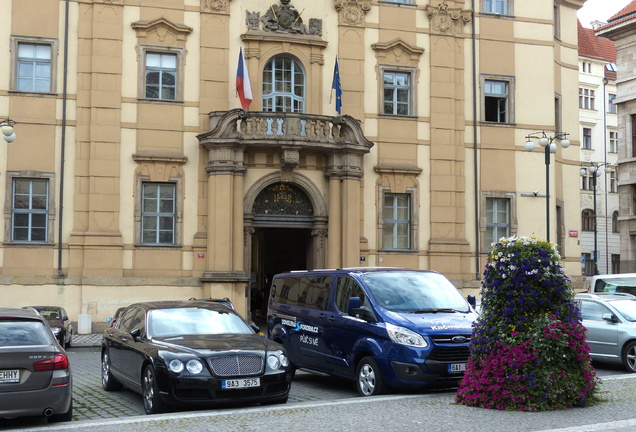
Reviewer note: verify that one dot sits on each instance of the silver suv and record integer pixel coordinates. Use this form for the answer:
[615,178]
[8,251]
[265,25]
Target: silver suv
[610,319]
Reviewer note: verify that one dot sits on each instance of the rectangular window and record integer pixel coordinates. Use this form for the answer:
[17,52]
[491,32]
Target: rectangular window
[613,183]
[397,93]
[33,67]
[30,210]
[589,264]
[497,219]
[616,264]
[161,76]
[499,7]
[586,181]
[586,98]
[613,142]
[611,106]
[397,221]
[496,101]
[158,213]
[633,121]
[587,139]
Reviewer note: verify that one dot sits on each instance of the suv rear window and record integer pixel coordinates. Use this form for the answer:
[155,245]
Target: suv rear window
[18,332]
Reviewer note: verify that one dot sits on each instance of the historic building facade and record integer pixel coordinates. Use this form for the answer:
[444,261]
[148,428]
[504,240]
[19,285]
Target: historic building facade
[621,29]
[599,154]
[135,174]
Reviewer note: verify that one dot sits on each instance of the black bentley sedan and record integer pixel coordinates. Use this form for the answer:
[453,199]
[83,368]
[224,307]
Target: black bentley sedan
[192,353]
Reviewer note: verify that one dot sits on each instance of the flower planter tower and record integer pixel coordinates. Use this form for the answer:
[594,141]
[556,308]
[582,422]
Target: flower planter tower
[528,350]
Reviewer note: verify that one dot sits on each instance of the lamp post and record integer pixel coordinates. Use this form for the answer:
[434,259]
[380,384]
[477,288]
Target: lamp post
[595,171]
[547,142]
[6,126]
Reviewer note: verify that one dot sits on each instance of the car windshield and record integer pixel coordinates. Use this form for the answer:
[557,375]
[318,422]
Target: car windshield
[415,292]
[627,308]
[186,321]
[49,314]
[23,332]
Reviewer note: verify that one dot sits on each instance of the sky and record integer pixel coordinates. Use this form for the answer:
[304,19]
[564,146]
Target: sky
[599,10]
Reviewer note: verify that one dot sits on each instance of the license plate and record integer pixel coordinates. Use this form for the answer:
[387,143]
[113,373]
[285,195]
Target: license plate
[9,376]
[457,367]
[241,383]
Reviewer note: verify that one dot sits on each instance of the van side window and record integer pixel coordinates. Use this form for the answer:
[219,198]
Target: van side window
[303,291]
[347,288]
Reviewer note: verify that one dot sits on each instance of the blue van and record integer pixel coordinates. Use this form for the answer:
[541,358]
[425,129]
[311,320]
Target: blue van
[381,327]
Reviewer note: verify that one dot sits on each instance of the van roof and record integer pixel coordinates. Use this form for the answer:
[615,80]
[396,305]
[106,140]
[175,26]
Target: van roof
[615,276]
[354,269]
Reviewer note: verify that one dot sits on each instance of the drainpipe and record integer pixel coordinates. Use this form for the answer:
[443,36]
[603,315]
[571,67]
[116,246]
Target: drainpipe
[60,273]
[475,158]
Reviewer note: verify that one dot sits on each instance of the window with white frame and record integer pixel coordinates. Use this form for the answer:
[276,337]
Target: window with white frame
[158,213]
[613,142]
[161,75]
[587,220]
[499,7]
[613,182]
[587,181]
[284,85]
[497,101]
[586,98]
[397,92]
[34,67]
[30,210]
[611,106]
[396,228]
[587,139]
[497,219]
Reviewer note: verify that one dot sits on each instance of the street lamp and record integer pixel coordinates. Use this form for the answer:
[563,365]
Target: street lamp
[595,171]
[547,142]
[6,126]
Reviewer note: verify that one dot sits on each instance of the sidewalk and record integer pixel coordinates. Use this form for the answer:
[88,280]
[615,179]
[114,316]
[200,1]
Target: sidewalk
[86,340]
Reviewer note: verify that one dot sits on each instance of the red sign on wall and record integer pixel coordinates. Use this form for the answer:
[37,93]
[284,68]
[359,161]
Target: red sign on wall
[574,233]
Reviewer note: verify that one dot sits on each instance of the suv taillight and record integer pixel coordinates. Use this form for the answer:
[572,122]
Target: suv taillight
[58,362]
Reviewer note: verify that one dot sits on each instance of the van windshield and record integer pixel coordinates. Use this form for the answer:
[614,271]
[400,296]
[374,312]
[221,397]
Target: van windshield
[414,292]
[625,284]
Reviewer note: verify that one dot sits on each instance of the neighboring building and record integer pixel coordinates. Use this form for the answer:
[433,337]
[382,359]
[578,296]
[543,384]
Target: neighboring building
[621,28]
[599,150]
[135,175]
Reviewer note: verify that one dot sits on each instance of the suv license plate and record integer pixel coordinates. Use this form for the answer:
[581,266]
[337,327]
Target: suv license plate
[241,383]
[456,368]
[9,376]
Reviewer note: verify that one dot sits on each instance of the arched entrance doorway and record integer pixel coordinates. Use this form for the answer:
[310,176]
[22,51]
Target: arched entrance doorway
[286,235]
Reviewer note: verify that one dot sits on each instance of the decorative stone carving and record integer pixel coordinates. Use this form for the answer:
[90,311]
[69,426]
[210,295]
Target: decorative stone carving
[283,18]
[216,5]
[315,27]
[397,52]
[444,20]
[253,20]
[352,12]
[289,159]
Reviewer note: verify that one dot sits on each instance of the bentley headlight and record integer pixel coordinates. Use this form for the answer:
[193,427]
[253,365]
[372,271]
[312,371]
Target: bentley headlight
[194,366]
[273,361]
[175,365]
[404,336]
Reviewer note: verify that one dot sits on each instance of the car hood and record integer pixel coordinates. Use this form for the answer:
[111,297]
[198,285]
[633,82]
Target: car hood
[55,323]
[438,323]
[208,344]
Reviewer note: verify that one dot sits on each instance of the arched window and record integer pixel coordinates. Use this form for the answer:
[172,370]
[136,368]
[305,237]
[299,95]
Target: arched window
[615,222]
[587,220]
[283,85]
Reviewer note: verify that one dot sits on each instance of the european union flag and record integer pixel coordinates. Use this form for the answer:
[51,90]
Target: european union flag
[335,85]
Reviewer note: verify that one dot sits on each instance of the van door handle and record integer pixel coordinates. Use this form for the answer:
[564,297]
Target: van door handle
[332,318]
[321,316]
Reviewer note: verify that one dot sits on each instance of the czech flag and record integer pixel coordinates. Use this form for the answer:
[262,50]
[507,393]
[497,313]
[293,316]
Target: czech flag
[335,85]
[243,86]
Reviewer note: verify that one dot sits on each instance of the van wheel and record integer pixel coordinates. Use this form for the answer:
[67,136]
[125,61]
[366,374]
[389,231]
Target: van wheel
[369,380]
[629,357]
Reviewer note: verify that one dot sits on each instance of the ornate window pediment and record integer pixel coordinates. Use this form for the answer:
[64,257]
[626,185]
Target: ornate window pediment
[162,32]
[397,52]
